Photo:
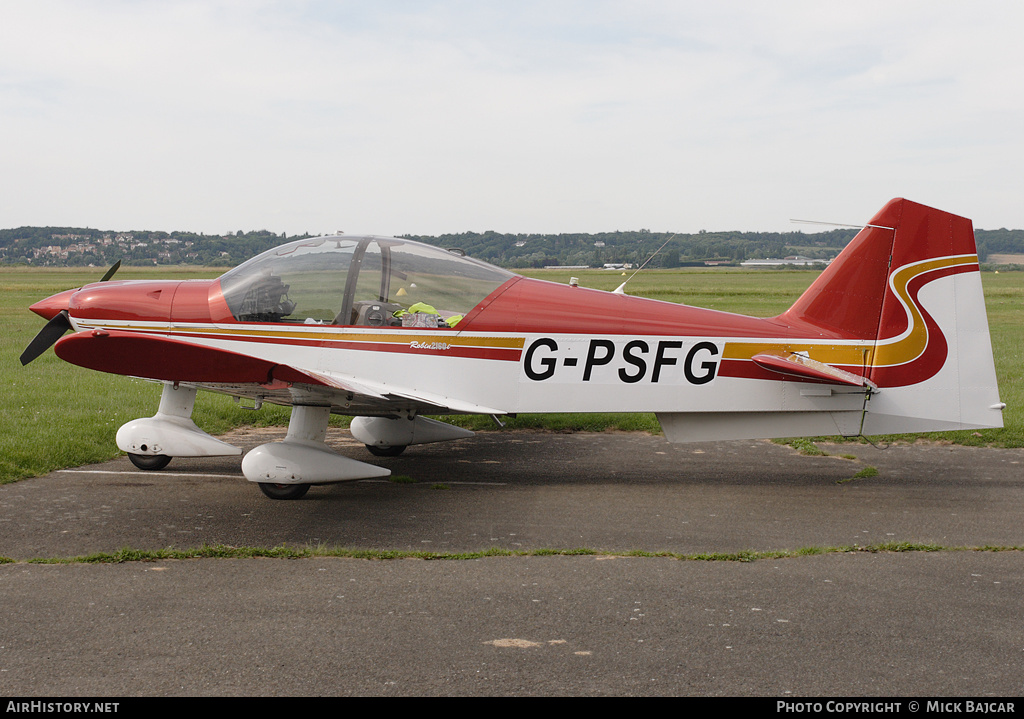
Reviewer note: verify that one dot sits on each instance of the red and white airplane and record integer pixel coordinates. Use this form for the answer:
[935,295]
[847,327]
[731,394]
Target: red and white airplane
[892,337]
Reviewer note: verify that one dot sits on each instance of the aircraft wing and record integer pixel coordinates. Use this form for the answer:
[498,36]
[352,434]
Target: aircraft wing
[241,375]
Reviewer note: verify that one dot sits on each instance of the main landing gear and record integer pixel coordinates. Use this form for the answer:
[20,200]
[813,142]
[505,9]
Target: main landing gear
[284,491]
[386,451]
[285,469]
[388,437]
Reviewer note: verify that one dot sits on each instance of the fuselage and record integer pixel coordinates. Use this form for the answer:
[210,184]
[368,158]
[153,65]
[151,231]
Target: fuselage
[527,346]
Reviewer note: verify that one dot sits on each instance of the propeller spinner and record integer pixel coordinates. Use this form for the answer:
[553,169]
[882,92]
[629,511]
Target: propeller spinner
[56,327]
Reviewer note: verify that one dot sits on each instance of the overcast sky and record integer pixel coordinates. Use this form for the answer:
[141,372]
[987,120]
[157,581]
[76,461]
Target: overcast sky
[434,116]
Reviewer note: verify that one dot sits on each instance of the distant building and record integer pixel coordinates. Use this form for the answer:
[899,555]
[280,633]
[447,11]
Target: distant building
[792,260]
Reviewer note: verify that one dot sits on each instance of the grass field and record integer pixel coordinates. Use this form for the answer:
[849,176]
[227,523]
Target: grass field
[55,415]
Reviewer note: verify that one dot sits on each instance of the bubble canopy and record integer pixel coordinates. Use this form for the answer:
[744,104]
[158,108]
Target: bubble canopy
[370,281]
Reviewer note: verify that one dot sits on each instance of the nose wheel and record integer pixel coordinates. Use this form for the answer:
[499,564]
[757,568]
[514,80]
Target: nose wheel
[283,491]
[149,461]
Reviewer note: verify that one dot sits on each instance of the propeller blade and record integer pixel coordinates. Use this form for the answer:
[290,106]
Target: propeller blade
[47,337]
[111,271]
[58,324]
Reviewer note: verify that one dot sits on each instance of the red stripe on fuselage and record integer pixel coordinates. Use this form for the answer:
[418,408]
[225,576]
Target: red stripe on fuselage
[419,346]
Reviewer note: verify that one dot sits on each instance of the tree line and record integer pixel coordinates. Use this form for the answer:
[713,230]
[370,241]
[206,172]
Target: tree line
[35,246]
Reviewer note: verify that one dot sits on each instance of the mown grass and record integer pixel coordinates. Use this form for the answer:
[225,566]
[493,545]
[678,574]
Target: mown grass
[220,551]
[55,415]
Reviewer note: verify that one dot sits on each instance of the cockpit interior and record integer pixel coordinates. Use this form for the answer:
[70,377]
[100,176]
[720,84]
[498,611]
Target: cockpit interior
[359,281]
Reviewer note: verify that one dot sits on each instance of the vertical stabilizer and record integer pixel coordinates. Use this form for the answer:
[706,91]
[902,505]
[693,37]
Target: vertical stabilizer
[910,281]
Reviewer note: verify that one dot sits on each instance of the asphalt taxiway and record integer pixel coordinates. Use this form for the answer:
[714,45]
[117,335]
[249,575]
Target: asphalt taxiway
[921,623]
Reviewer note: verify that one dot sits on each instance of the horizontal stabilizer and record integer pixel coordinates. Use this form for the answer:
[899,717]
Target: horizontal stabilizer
[801,367]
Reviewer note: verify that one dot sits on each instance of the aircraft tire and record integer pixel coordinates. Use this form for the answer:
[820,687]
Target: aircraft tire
[149,461]
[392,451]
[283,491]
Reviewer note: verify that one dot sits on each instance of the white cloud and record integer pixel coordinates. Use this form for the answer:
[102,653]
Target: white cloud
[429,117]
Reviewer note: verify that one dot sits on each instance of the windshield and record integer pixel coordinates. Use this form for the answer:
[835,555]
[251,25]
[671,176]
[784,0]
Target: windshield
[375,281]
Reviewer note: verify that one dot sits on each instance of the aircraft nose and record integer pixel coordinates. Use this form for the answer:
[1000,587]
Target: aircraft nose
[49,307]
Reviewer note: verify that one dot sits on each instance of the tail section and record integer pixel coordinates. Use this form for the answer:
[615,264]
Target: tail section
[910,283]
[892,337]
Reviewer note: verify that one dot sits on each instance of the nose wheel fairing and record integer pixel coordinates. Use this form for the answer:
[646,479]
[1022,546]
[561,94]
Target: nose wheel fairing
[171,431]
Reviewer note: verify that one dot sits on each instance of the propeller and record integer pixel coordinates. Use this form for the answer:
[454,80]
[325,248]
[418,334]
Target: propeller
[56,327]
[48,336]
[110,273]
